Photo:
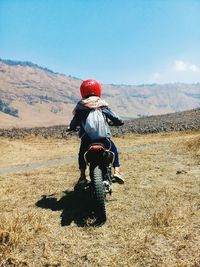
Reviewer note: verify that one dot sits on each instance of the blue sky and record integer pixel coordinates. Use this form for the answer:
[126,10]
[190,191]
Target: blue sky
[113,41]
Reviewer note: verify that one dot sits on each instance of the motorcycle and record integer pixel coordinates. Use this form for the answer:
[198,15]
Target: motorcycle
[99,158]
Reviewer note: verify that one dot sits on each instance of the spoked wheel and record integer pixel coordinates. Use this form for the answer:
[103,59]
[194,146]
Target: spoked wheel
[99,193]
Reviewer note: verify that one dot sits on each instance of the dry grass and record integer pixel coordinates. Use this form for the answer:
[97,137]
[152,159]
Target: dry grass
[27,150]
[192,147]
[153,220]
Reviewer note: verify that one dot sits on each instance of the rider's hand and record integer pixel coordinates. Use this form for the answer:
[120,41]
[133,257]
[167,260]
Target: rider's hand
[117,123]
[111,123]
[68,130]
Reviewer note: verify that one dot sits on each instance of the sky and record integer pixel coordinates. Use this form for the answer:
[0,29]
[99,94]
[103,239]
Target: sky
[113,41]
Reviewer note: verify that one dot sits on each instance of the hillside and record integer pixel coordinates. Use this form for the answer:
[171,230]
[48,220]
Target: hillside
[42,97]
[179,121]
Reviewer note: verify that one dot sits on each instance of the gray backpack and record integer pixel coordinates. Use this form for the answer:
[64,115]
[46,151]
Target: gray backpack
[96,125]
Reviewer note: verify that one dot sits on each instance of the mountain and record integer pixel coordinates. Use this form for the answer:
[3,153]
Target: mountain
[35,96]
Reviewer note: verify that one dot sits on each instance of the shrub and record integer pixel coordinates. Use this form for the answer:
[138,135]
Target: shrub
[8,110]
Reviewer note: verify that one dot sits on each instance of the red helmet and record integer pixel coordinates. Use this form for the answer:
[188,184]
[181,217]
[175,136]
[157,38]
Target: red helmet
[90,87]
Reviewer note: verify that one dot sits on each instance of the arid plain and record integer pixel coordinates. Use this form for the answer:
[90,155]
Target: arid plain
[153,219]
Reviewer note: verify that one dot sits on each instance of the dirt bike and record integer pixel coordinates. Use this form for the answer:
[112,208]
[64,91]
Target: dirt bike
[100,160]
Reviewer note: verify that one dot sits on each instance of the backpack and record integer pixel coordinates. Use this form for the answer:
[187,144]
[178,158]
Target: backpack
[96,125]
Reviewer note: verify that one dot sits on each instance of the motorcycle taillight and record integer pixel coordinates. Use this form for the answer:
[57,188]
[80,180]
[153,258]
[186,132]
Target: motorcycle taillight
[96,147]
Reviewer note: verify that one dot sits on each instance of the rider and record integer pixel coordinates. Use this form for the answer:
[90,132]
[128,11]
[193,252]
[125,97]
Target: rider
[91,99]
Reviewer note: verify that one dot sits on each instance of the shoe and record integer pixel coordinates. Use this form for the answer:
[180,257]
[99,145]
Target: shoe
[81,184]
[118,178]
[82,181]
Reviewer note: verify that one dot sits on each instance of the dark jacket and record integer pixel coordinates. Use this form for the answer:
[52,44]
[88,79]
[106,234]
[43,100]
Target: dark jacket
[82,113]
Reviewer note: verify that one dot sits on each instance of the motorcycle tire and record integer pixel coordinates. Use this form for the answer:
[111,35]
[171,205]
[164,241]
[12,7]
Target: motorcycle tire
[99,193]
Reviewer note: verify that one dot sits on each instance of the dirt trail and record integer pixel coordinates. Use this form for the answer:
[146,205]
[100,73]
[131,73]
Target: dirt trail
[36,165]
[21,168]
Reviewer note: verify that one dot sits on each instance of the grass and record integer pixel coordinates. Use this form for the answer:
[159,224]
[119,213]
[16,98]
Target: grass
[192,148]
[153,219]
[27,150]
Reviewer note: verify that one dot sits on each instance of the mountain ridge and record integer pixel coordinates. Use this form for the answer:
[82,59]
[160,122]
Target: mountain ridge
[31,64]
[26,63]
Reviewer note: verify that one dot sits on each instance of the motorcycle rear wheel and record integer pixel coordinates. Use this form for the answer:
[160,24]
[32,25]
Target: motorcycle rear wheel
[99,193]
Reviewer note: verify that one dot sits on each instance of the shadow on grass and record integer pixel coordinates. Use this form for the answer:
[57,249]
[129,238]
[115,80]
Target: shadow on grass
[77,206]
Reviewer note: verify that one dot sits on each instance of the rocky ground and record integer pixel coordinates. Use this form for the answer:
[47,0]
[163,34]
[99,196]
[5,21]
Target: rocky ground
[180,121]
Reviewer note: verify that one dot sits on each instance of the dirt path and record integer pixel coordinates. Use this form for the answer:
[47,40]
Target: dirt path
[21,168]
[36,165]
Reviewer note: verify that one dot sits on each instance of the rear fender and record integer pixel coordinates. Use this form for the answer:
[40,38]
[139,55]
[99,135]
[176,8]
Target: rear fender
[104,157]
[93,156]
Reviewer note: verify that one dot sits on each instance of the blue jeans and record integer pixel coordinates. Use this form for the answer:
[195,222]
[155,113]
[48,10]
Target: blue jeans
[85,142]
